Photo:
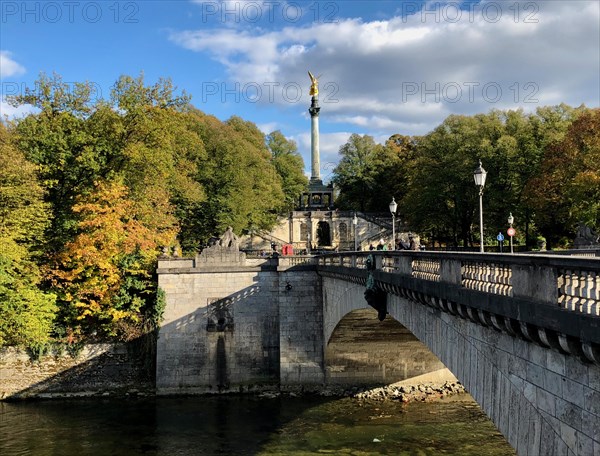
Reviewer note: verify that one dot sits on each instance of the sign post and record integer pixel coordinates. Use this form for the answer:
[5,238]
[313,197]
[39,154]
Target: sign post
[511,232]
[500,238]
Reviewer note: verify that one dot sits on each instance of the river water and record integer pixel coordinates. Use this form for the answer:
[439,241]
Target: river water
[237,426]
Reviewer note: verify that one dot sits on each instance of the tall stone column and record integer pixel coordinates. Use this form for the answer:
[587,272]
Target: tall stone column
[314,139]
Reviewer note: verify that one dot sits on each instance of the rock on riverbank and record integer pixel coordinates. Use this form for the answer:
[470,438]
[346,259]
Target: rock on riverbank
[424,392]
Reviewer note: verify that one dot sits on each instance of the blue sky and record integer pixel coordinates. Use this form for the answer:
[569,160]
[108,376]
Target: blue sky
[385,67]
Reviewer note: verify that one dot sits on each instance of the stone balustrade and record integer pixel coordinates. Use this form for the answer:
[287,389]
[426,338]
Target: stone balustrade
[572,283]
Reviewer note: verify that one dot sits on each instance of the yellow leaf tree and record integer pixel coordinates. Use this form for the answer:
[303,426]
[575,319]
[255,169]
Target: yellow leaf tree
[104,276]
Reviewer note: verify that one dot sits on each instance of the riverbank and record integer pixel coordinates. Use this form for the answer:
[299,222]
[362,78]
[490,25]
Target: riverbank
[122,370]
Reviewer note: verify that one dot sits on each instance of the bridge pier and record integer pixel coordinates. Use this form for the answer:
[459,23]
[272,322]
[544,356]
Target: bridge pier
[232,324]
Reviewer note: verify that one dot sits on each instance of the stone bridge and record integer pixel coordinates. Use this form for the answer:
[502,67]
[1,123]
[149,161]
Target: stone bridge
[520,332]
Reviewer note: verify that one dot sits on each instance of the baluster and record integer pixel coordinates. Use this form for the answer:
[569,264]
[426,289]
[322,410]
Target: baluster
[493,288]
[568,288]
[500,280]
[561,283]
[596,293]
[576,292]
[584,292]
[472,275]
[466,275]
[504,281]
[487,278]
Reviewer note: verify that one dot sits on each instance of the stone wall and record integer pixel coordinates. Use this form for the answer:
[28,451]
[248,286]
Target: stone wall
[238,327]
[220,331]
[98,369]
[271,332]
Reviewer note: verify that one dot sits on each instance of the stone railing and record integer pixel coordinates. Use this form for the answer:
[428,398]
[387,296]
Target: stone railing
[549,299]
[579,290]
[297,260]
[489,277]
[568,282]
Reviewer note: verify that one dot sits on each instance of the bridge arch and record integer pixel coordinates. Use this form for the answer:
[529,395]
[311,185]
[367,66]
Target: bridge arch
[366,352]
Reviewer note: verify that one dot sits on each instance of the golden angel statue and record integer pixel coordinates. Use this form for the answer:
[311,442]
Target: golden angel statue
[314,85]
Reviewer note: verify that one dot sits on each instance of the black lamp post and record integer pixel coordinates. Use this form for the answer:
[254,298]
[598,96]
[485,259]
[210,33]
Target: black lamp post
[479,175]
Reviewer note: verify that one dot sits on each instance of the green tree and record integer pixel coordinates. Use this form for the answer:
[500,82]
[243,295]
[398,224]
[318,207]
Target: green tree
[356,173]
[57,140]
[141,137]
[392,166]
[289,166]
[242,186]
[161,155]
[441,197]
[26,312]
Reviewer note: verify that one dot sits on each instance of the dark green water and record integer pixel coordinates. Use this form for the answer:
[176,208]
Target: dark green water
[246,426]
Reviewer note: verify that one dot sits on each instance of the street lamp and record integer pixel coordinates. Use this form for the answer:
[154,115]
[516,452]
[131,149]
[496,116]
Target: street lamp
[355,223]
[511,220]
[393,207]
[479,175]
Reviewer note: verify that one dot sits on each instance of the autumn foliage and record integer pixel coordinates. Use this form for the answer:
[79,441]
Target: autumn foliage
[112,246]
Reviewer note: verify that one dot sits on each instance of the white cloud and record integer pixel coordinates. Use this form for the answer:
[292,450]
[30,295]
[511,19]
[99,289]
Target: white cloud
[9,112]
[406,74]
[268,127]
[8,67]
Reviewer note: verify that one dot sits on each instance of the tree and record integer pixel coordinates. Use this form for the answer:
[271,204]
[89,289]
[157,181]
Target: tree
[355,175]
[393,164]
[57,140]
[289,166]
[441,197]
[547,126]
[141,137]
[104,276]
[242,186]
[26,312]
[567,189]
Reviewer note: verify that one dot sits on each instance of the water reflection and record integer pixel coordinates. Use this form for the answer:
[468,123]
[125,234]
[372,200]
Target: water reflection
[245,426]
